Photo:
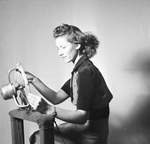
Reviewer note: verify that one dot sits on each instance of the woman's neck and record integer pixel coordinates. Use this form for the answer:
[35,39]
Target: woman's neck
[77,58]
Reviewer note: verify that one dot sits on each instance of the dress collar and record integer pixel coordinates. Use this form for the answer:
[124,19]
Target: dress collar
[80,61]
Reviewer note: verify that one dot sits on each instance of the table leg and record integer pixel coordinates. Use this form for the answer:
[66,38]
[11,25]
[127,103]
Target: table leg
[47,134]
[17,130]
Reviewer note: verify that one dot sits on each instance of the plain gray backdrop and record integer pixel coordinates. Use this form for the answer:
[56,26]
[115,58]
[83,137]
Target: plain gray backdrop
[123,28]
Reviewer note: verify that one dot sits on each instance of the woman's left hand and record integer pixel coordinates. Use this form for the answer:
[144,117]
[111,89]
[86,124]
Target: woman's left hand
[37,103]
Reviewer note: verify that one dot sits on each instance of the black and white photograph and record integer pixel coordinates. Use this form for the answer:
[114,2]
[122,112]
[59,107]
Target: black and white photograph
[74,71]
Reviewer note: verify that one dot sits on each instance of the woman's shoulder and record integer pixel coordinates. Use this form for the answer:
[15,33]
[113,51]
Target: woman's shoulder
[88,66]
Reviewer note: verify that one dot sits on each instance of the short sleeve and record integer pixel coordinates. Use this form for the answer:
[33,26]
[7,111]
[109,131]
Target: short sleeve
[66,87]
[87,84]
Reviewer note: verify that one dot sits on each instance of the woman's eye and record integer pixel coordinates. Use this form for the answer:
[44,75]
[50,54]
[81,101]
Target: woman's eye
[63,47]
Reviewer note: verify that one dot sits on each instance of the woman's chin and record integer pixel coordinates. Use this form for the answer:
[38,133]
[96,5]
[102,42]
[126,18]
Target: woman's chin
[67,61]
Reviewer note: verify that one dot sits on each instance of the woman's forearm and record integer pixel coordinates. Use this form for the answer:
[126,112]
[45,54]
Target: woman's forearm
[71,116]
[45,91]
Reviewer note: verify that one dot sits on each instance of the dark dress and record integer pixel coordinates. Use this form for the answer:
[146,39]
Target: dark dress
[89,92]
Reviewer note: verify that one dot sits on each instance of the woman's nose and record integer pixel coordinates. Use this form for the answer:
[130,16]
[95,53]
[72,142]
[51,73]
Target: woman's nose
[60,52]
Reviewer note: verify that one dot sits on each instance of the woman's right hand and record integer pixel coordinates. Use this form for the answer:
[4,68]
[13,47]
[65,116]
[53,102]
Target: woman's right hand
[37,103]
[30,77]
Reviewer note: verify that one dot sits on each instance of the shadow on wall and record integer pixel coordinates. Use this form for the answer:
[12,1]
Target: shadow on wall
[135,129]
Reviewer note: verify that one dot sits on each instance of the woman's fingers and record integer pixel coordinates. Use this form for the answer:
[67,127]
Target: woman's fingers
[29,76]
[37,103]
[34,100]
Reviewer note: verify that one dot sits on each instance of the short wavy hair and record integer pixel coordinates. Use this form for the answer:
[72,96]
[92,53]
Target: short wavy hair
[89,42]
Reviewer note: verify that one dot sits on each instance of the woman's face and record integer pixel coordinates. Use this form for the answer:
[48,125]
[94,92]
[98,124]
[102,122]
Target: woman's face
[66,50]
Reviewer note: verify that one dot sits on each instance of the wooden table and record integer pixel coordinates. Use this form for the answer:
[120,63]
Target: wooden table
[44,121]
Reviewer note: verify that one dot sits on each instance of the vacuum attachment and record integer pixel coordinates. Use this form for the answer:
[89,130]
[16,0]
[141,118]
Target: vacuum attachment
[17,88]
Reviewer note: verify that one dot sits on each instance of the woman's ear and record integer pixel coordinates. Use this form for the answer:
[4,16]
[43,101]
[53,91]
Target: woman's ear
[78,46]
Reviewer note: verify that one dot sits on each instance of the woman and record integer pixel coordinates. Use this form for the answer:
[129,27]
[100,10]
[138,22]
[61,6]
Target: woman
[88,124]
